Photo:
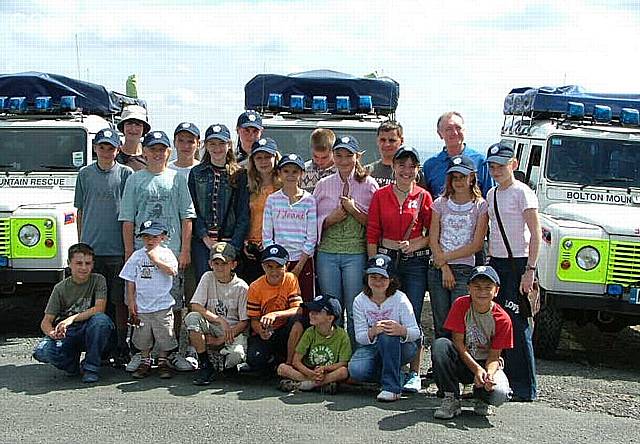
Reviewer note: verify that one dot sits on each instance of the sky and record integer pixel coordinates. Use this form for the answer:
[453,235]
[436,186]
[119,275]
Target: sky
[192,58]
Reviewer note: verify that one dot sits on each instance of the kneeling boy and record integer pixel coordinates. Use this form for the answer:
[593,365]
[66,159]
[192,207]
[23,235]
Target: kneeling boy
[218,315]
[322,355]
[480,330]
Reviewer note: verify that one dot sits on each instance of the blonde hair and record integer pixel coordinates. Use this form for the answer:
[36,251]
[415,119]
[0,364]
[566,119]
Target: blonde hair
[230,163]
[254,179]
[322,139]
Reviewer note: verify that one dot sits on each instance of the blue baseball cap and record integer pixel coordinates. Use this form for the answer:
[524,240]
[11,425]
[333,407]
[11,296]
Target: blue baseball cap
[152,228]
[500,153]
[109,136]
[156,138]
[217,131]
[406,151]
[327,303]
[485,271]
[250,118]
[461,164]
[349,143]
[188,127]
[276,253]
[266,144]
[380,264]
[291,159]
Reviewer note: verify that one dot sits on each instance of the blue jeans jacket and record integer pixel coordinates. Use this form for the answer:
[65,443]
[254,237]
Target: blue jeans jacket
[231,199]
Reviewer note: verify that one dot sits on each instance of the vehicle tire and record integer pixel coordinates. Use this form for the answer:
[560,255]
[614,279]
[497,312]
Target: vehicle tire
[614,326]
[546,334]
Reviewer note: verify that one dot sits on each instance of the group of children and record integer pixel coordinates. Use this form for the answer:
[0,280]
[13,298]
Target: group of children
[253,220]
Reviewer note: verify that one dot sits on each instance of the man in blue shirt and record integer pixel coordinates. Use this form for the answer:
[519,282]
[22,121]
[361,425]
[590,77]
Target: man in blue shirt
[451,130]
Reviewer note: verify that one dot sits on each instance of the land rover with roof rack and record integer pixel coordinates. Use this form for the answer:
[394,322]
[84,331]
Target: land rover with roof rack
[47,124]
[293,106]
[580,153]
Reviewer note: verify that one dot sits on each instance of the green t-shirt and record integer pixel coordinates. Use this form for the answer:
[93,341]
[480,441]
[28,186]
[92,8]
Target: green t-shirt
[345,237]
[69,298]
[320,350]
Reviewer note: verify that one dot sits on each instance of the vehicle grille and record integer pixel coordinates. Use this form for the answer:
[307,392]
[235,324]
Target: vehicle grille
[624,263]
[5,235]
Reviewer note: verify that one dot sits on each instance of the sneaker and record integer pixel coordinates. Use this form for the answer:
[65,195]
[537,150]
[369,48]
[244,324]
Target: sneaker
[134,363]
[449,408]
[192,357]
[217,361]
[307,386]
[288,385]
[412,383]
[164,372]
[386,396]
[90,377]
[204,376]
[143,370]
[243,367]
[481,408]
[177,362]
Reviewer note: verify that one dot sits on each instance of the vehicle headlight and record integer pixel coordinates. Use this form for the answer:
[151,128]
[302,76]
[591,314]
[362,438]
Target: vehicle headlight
[588,258]
[29,235]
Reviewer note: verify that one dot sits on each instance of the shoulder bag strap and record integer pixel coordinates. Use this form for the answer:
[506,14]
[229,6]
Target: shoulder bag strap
[499,220]
[414,220]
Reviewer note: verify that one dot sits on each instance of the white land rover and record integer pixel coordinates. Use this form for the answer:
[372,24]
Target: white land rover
[580,153]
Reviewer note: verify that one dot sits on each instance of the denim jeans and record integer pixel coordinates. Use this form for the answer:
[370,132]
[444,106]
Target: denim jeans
[381,362]
[519,361]
[265,355]
[442,298]
[91,336]
[340,276]
[200,258]
[449,371]
[412,272]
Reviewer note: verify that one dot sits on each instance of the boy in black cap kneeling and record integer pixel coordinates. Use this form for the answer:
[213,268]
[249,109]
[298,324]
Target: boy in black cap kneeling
[480,329]
[322,355]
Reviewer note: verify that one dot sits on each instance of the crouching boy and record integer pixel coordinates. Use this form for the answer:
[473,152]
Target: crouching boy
[218,315]
[149,274]
[321,357]
[74,319]
[481,329]
[272,301]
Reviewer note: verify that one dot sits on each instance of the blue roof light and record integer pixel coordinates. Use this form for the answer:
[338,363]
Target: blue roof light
[343,104]
[297,102]
[68,103]
[4,103]
[275,101]
[43,103]
[629,116]
[575,110]
[602,113]
[319,104]
[365,104]
[18,104]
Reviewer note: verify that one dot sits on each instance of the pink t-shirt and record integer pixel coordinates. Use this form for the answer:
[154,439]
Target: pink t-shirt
[512,202]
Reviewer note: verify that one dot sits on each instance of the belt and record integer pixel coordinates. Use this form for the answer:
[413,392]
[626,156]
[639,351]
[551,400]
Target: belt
[420,253]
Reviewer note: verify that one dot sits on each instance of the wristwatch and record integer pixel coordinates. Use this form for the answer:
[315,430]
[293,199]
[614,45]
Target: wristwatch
[531,267]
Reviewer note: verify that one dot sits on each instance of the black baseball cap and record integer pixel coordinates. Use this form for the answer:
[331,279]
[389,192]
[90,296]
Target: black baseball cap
[327,303]
[276,253]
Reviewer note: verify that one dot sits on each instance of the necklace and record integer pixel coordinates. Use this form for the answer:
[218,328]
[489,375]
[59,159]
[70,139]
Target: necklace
[404,193]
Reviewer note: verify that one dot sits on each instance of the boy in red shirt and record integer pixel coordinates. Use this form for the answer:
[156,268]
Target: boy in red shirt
[480,330]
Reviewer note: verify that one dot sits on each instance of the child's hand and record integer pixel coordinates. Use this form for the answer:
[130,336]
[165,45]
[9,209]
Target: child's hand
[153,254]
[392,328]
[184,260]
[228,333]
[267,320]
[480,377]
[348,204]
[489,383]
[133,308]
[319,373]
[448,279]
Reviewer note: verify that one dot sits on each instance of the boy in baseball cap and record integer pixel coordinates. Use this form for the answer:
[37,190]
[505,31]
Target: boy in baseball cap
[321,356]
[218,315]
[249,128]
[474,358]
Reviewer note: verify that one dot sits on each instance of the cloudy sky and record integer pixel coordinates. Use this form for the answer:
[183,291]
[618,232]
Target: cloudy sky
[192,58]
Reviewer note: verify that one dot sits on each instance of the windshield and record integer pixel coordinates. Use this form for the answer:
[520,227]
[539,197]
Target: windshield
[296,140]
[42,149]
[594,162]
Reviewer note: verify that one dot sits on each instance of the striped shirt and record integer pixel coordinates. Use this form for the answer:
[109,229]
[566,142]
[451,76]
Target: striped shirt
[263,298]
[293,226]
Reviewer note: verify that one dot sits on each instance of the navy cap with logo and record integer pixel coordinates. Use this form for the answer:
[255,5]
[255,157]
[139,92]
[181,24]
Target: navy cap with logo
[461,164]
[266,144]
[109,136]
[250,118]
[349,143]
[217,131]
[327,303]
[188,127]
[484,271]
[152,228]
[156,138]
[380,264]
[500,153]
[291,159]
[224,251]
[406,151]
[276,253]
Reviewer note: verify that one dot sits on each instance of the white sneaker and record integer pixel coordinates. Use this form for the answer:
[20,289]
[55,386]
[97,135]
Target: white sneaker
[134,363]
[449,408]
[386,396]
[178,362]
[481,408]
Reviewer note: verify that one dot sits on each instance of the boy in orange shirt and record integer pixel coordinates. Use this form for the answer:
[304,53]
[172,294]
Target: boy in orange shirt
[272,301]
